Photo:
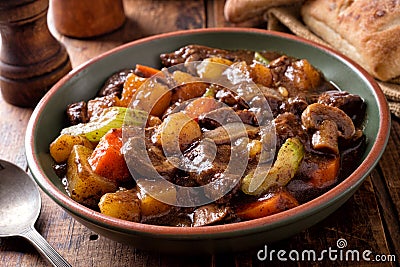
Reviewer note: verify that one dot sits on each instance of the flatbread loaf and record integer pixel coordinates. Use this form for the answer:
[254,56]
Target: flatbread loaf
[366,31]
[242,10]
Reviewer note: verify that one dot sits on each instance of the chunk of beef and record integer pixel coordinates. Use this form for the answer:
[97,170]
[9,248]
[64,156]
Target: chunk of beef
[278,68]
[225,115]
[230,132]
[174,217]
[191,53]
[115,83]
[288,125]
[137,152]
[197,53]
[316,175]
[209,214]
[303,191]
[231,99]
[218,117]
[353,105]
[247,117]
[295,105]
[96,106]
[222,182]
[60,169]
[77,113]
[205,160]
[274,104]
[351,155]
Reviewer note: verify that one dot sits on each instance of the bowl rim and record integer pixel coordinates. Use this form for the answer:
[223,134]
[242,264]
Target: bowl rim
[214,231]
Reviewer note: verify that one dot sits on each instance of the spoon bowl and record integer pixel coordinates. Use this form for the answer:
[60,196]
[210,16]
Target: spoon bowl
[21,200]
[20,209]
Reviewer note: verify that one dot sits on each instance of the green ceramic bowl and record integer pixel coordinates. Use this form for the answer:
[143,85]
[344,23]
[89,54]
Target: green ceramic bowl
[83,82]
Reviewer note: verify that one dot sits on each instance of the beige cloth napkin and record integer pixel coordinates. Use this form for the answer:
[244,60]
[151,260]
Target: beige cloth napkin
[287,19]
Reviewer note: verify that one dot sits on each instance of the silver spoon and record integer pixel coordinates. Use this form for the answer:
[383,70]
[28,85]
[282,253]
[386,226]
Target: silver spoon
[20,205]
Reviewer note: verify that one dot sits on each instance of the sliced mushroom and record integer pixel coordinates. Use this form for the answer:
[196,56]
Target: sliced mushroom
[353,105]
[230,132]
[326,138]
[218,117]
[329,123]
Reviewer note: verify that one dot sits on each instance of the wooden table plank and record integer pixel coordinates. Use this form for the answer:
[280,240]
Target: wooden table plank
[366,228]
[12,135]
[390,159]
[144,18]
[361,229]
[387,187]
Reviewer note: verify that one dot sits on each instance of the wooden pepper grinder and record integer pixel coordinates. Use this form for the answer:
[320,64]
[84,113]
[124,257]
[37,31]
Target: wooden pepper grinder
[31,59]
[87,18]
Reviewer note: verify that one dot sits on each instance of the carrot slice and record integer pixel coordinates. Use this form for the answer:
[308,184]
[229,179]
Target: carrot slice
[131,85]
[270,204]
[326,174]
[107,159]
[188,91]
[200,106]
[145,71]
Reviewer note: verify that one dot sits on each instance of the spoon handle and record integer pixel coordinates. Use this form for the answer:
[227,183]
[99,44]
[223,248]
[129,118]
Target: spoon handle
[44,247]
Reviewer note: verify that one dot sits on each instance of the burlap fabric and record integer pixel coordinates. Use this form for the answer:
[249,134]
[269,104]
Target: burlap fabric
[288,19]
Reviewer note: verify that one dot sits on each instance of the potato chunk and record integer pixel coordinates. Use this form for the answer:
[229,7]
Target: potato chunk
[60,149]
[123,204]
[213,67]
[261,74]
[84,185]
[153,97]
[177,132]
[150,206]
[303,75]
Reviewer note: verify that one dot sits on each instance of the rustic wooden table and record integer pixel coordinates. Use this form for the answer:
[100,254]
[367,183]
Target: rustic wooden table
[370,220]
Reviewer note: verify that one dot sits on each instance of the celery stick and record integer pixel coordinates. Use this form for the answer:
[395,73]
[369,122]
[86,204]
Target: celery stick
[260,58]
[110,118]
[285,167]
